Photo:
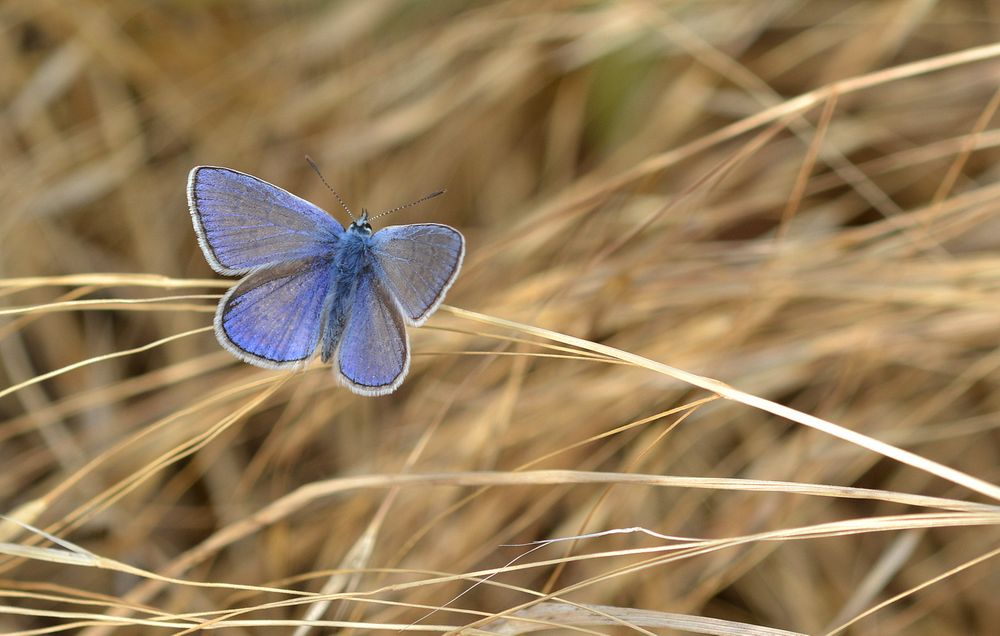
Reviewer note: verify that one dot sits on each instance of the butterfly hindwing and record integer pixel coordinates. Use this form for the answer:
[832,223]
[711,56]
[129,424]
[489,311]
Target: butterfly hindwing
[272,318]
[417,264]
[374,353]
[244,222]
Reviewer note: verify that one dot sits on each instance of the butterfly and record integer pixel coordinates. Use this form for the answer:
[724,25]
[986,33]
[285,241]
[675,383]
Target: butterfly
[308,282]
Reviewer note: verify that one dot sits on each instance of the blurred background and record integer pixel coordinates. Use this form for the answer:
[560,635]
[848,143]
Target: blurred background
[639,174]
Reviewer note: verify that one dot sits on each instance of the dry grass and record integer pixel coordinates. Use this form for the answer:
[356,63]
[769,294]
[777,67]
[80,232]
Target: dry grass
[796,205]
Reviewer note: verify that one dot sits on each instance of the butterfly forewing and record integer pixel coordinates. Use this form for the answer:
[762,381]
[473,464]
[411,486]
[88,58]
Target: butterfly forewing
[272,318]
[244,222]
[417,264]
[374,352]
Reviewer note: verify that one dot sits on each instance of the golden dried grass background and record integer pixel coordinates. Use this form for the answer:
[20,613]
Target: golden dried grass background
[799,199]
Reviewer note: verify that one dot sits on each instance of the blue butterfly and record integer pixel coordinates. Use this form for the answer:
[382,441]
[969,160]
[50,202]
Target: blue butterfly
[308,282]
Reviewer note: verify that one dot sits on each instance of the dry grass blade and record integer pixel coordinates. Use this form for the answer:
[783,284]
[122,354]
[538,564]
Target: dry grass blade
[723,390]
[565,614]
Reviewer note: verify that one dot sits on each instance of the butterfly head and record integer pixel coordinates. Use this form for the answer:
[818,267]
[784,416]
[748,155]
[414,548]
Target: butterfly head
[361,225]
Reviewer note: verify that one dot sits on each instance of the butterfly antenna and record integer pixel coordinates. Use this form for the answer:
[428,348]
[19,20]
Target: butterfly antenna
[409,205]
[315,168]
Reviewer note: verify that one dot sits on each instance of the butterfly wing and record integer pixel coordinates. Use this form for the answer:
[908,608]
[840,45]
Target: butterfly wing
[273,317]
[244,222]
[374,353]
[417,264]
